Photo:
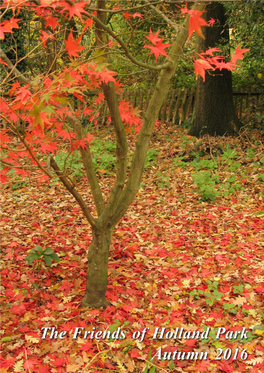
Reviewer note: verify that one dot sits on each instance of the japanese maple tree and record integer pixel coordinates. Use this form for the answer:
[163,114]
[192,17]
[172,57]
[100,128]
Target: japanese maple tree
[39,112]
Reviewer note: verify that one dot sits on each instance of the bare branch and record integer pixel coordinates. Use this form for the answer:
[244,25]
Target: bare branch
[121,150]
[71,188]
[29,149]
[89,168]
[169,22]
[11,67]
[150,115]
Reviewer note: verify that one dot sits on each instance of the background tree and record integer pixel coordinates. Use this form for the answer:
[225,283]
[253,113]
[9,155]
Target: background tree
[246,21]
[214,109]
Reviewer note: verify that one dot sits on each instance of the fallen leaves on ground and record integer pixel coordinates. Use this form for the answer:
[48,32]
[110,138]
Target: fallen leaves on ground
[175,263]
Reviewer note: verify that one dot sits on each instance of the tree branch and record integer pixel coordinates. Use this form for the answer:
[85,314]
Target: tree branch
[171,23]
[71,188]
[13,69]
[121,150]
[89,168]
[126,50]
[151,113]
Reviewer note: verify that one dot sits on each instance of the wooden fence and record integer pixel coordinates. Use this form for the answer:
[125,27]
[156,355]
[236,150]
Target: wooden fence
[179,103]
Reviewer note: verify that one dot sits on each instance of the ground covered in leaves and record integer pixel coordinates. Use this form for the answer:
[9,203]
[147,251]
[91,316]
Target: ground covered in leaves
[187,256]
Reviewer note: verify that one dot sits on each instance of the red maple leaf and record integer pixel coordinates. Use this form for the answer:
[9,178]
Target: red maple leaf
[88,137]
[88,23]
[127,15]
[225,65]
[8,363]
[8,25]
[100,98]
[50,21]
[239,54]
[158,49]
[137,15]
[4,28]
[200,65]
[3,62]
[45,36]
[195,23]
[211,22]
[48,147]
[211,51]
[72,46]
[3,177]
[4,138]
[30,363]
[19,309]
[13,22]
[76,9]
[23,95]
[185,10]
[107,75]
[14,88]
[153,37]
[59,362]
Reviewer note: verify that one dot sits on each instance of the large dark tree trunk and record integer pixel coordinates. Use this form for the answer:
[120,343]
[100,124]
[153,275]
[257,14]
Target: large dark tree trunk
[214,109]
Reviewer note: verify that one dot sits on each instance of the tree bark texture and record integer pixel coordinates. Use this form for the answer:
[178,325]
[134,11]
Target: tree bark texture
[96,282]
[214,109]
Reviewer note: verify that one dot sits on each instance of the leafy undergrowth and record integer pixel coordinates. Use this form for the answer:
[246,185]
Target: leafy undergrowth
[179,260]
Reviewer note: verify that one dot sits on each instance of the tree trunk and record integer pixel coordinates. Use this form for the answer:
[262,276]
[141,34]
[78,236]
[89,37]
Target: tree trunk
[96,283]
[214,109]
[122,193]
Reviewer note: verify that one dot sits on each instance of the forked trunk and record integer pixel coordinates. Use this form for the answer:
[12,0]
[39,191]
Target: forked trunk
[96,283]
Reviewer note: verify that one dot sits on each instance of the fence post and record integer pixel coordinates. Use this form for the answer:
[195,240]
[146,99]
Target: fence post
[190,99]
[164,108]
[183,107]
[241,107]
[171,105]
[178,94]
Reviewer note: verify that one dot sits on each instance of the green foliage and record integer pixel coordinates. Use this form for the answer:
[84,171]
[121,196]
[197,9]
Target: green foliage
[151,158]
[239,289]
[246,20]
[250,153]
[103,155]
[234,166]
[261,177]
[228,155]
[212,295]
[179,162]
[38,253]
[188,123]
[231,186]
[17,181]
[206,184]
[14,43]
[206,164]
[259,117]
[70,163]
[162,180]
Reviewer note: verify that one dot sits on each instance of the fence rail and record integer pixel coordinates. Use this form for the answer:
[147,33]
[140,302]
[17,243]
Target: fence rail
[179,104]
